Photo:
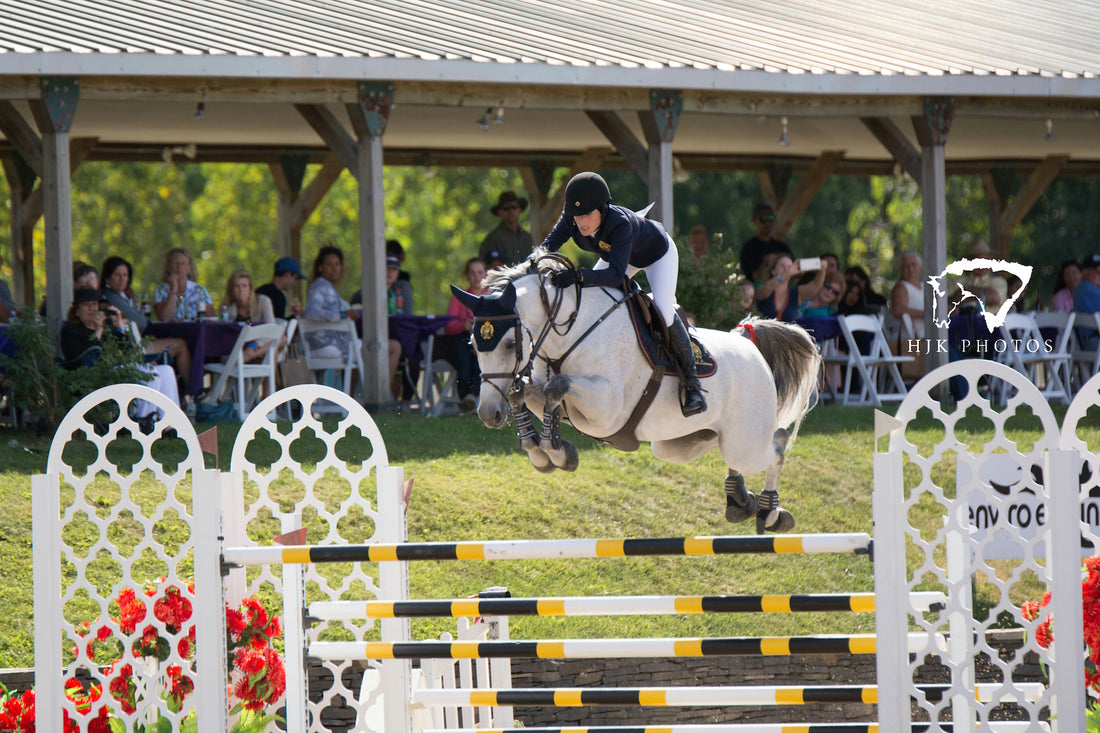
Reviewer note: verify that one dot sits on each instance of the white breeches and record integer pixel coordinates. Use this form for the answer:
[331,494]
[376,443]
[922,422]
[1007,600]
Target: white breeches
[662,276]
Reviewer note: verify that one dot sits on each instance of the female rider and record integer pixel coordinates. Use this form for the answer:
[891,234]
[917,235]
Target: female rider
[625,243]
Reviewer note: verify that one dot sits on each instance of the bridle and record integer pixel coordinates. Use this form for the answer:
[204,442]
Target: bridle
[552,306]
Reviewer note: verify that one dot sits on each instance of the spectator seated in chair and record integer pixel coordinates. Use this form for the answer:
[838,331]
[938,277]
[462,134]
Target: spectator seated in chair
[90,321]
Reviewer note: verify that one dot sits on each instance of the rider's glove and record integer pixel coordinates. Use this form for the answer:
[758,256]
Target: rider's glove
[565,278]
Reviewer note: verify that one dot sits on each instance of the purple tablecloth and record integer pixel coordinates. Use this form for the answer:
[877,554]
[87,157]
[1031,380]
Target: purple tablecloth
[822,329]
[205,339]
[409,331]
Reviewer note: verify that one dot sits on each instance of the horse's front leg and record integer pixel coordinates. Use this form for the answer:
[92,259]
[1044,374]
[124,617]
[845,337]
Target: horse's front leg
[562,453]
[525,431]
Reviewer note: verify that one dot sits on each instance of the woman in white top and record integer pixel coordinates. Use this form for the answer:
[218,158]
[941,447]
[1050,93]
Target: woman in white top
[908,294]
[246,306]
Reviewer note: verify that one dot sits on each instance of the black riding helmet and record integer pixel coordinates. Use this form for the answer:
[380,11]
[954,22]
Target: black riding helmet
[586,192]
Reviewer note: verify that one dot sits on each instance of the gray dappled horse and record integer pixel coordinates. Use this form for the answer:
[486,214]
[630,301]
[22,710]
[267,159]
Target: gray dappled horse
[538,351]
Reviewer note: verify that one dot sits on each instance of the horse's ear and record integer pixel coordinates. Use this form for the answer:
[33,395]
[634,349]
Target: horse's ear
[467,299]
[508,298]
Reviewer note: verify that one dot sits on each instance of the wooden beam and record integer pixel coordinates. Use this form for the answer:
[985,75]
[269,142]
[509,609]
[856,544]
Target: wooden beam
[894,140]
[79,150]
[589,160]
[808,186]
[21,260]
[21,136]
[994,205]
[314,192]
[774,179]
[329,129]
[535,197]
[1030,192]
[625,142]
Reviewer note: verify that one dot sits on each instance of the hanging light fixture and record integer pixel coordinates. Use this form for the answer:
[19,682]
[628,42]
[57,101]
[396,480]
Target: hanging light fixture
[1050,131]
[784,141]
[498,117]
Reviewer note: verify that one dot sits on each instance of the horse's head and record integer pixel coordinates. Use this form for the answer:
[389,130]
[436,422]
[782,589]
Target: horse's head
[498,342]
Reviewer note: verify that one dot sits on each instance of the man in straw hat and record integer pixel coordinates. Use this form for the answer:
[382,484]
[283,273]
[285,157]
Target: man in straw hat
[511,240]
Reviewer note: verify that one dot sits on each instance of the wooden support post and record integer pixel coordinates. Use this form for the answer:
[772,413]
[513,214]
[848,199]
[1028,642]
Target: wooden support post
[53,113]
[288,174]
[932,128]
[659,125]
[537,178]
[369,117]
[21,178]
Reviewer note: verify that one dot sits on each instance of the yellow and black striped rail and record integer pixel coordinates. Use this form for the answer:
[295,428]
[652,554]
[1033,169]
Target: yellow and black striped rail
[599,648]
[551,549]
[609,605]
[648,696]
[701,696]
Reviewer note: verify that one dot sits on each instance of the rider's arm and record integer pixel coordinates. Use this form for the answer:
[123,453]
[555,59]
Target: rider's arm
[559,235]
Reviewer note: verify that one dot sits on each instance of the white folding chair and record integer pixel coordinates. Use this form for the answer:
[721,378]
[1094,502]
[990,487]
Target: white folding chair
[247,379]
[1030,358]
[438,380]
[1086,361]
[876,362]
[342,366]
[1061,325]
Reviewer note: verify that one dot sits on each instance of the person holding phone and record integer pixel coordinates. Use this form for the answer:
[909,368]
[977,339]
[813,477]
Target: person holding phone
[780,296]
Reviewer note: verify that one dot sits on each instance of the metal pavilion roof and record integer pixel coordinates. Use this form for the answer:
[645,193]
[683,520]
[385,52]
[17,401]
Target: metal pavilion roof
[518,38]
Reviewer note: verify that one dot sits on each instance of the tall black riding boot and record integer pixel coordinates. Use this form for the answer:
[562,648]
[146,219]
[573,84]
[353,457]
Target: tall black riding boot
[693,402]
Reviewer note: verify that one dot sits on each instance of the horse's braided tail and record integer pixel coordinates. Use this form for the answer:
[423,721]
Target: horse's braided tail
[796,366]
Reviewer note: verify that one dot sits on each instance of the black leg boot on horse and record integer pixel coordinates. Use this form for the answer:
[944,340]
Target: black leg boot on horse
[680,346]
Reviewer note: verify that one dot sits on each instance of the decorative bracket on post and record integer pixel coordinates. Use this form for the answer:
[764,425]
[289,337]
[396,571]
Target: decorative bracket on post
[932,127]
[59,96]
[375,102]
[666,105]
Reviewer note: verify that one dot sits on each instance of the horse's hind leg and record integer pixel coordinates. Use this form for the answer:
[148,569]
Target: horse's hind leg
[769,516]
[740,502]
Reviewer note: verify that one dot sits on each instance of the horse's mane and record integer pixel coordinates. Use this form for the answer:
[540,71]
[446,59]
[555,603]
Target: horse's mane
[497,280]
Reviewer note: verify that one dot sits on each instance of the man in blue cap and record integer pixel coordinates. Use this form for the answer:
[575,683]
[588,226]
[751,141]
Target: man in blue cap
[287,275]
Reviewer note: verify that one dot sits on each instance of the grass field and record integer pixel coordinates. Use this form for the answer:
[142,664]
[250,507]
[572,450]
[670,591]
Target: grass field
[472,483]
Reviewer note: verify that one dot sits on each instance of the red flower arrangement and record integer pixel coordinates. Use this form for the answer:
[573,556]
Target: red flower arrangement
[257,675]
[1090,607]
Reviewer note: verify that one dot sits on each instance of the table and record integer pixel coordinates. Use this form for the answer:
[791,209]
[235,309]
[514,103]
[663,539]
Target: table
[410,331]
[822,329]
[206,340]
